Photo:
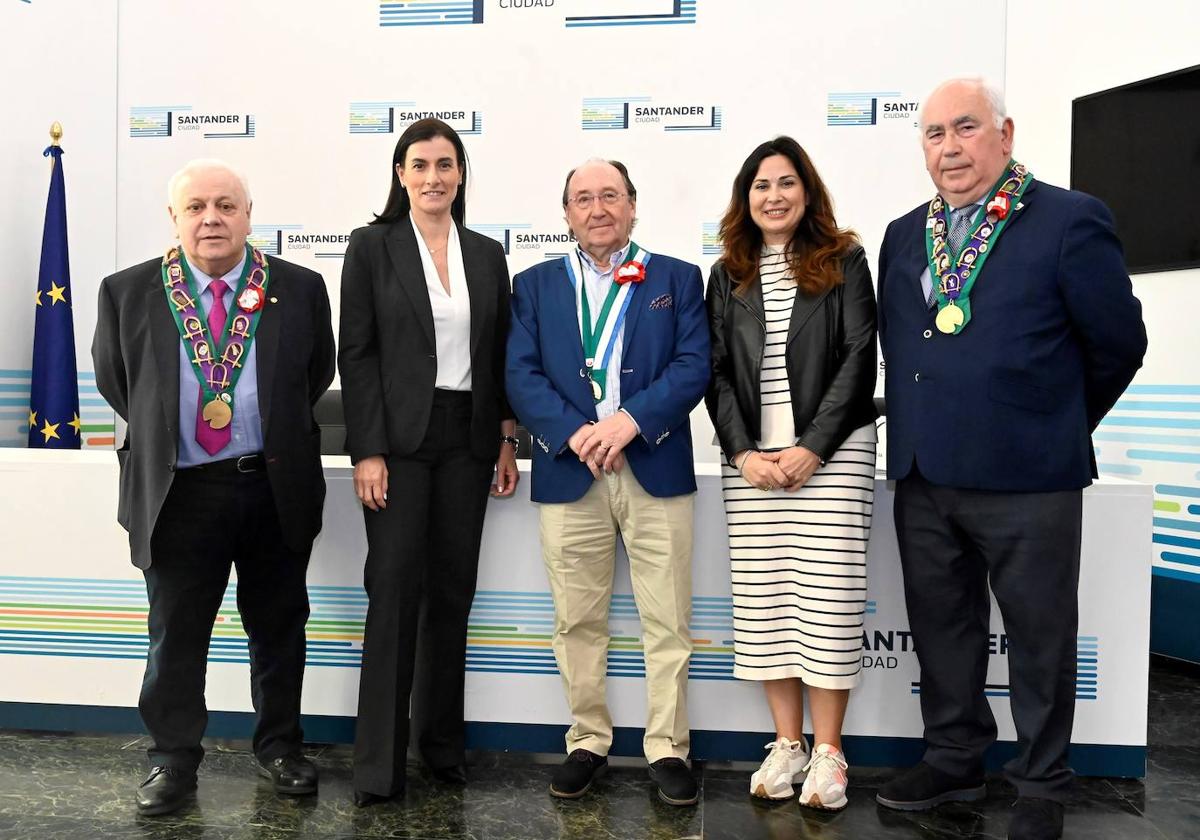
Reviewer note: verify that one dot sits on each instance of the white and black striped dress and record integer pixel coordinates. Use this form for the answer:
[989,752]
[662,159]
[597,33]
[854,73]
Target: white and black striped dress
[798,559]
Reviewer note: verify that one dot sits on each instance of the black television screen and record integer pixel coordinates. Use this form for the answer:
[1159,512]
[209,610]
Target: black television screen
[1137,149]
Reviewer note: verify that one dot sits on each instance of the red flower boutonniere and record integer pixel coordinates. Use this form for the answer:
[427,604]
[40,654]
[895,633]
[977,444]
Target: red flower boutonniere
[998,206]
[251,299]
[631,272]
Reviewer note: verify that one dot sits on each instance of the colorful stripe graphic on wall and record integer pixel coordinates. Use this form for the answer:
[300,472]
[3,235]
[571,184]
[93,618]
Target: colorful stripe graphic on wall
[508,632]
[268,238]
[96,416]
[658,13]
[607,113]
[153,120]
[855,108]
[1153,435]
[1087,672]
[429,12]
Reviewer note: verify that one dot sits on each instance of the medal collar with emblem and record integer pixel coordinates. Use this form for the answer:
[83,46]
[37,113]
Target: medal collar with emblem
[216,361]
[601,334]
[954,275]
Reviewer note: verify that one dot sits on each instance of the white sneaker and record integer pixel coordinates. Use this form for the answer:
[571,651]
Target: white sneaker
[825,786]
[783,766]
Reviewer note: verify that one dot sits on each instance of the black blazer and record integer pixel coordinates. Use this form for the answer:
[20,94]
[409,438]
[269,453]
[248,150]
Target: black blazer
[830,358]
[387,354]
[136,355]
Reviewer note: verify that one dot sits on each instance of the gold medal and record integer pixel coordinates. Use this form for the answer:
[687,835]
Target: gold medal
[949,318]
[217,414]
[597,391]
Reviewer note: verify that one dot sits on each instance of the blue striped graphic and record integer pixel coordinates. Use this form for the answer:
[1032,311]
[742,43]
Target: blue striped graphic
[430,12]
[94,411]
[269,238]
[375,117]
[682,12]
[607,113]
[1087,672]
[153,120]
[1147,416]
[854,108]
[246,132]
[501,232]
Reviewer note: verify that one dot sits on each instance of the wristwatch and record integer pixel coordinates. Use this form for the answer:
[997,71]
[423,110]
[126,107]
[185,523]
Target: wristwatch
[511,440]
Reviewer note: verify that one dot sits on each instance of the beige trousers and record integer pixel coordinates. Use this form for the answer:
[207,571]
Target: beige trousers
[579,548]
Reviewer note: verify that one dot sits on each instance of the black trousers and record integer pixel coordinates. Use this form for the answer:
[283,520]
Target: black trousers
[952,543]
[422,560]
[213,519]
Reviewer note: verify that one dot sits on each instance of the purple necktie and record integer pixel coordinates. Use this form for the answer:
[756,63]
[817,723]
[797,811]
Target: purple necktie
[213,440]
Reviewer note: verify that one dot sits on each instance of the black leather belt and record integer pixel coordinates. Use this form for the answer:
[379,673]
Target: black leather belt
[245,464]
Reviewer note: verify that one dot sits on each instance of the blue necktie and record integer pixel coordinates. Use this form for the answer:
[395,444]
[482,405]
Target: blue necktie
[960,229]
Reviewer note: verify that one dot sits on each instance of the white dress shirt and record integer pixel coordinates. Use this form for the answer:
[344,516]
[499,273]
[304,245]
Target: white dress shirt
[451,314]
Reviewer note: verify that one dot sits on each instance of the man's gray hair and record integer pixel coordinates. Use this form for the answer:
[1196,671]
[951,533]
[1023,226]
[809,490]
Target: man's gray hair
[615,164]
[993,95]
[201,165]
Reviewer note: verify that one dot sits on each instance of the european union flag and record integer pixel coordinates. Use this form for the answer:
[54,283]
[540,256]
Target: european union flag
[54,388]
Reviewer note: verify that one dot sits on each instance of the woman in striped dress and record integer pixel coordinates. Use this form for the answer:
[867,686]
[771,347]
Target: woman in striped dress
[792,316]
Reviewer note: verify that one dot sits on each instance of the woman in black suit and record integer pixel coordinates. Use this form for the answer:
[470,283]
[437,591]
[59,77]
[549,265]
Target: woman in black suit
[424,320]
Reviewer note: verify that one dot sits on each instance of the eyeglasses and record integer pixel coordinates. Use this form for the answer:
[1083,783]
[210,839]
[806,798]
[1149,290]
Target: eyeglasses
[584,200]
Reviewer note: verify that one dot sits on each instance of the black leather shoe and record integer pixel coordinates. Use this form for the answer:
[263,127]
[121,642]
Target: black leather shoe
[676,785]
[291,774]
[1036,819]
[365,799]
[923,787]
[454,774]
[165,790]
[575,775]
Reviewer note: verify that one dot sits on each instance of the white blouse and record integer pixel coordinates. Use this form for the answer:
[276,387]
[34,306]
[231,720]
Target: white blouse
[451,314]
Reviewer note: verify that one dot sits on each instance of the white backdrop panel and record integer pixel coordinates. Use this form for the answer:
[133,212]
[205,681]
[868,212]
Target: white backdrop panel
[520,78]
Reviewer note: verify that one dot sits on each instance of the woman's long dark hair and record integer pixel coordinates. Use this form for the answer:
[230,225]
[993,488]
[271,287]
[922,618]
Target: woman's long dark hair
[817,246]
[398,205]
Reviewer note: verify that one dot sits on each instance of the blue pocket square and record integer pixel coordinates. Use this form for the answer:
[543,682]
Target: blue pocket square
[662,302]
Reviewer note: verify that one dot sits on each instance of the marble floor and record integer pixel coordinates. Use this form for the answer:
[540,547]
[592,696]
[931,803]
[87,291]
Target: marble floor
[55,786]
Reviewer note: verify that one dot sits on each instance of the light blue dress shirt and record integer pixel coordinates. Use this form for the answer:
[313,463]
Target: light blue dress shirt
[246,432]
[597,280]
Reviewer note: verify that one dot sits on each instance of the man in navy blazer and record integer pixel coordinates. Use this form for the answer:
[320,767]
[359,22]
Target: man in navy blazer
[993,390]
[608,354]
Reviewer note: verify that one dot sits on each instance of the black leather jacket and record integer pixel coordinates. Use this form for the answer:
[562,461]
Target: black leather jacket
[830,355]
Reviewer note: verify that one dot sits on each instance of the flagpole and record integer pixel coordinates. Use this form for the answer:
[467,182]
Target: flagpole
[55,137]
[54,421]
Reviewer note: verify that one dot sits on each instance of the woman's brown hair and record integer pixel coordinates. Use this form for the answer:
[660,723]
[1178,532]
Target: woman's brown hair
[818,245]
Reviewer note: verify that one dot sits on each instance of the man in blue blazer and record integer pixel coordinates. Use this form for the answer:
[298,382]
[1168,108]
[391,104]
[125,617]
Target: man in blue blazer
[993,390]
[608,354]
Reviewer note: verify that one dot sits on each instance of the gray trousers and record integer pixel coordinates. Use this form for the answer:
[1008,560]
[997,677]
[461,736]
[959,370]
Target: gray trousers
[953,543]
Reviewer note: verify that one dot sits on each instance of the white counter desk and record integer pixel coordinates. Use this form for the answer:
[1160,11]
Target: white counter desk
[73,640]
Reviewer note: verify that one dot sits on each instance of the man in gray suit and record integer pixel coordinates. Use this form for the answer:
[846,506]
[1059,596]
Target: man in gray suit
[214,356]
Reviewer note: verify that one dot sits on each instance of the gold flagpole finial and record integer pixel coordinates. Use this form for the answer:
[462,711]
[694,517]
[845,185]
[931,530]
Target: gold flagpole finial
[55,133]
